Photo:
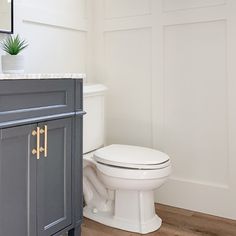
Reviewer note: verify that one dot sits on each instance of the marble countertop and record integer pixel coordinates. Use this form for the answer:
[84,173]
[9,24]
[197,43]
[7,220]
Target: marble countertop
[43,76]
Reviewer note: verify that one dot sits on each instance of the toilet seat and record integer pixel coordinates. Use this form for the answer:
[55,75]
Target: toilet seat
[131,157]
[138,174]
[136,167]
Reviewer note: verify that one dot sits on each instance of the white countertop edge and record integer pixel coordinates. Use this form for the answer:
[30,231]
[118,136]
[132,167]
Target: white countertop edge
[43,76]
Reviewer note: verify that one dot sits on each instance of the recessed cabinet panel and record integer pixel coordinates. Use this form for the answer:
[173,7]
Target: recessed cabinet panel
[35,100]
[54,178]
[17,182]
[25,99]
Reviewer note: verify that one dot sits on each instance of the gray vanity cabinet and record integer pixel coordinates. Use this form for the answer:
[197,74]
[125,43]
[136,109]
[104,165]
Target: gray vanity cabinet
[17,182]
[40,157]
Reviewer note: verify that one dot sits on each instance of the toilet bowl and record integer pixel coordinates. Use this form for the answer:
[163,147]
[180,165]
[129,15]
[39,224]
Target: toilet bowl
[126,177]
[119,180]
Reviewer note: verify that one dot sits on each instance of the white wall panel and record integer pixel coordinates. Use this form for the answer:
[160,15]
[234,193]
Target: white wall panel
[62,50]
[69,6]
[128,77]
[126,8]
[57,34]
[70,14]
[195,101]
[172,68]
[173,5]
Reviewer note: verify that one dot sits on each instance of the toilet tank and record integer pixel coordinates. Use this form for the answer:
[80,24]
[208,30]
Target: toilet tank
[93,124]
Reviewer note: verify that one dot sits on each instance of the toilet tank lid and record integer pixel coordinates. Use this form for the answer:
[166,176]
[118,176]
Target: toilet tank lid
[90,89]
[120,155]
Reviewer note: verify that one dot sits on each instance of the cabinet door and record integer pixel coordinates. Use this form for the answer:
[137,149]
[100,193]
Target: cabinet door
[17,181]
[54,178]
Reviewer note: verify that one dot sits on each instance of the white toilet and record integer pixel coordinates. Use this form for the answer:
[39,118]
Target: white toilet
[119,180]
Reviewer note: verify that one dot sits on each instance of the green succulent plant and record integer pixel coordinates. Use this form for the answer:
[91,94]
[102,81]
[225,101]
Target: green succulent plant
[13,45]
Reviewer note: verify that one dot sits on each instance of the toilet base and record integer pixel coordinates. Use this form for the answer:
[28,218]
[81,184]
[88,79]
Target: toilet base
[108,219]
[135,215]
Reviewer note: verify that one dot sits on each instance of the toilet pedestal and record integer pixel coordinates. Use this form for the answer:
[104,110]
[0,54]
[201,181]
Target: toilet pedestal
[136,215]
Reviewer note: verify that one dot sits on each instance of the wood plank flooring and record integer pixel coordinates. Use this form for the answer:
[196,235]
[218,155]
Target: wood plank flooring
[176,222]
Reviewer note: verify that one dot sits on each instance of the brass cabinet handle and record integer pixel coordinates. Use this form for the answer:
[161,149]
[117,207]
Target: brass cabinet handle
[38,143]
[36,150]
[39,149]
[45,140]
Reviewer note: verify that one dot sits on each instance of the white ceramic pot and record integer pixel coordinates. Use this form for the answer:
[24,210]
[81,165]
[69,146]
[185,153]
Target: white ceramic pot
[12,64]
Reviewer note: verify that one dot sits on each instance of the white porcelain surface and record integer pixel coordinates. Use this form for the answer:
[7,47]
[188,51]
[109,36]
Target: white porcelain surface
[107,192]
[94,122]
[90,89]
[134,174]
[43,76]
[116,196]
[130,156]
[137,215]
[136,167]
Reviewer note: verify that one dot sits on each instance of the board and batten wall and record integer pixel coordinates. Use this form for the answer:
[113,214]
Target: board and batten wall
[57,32]
[170,67]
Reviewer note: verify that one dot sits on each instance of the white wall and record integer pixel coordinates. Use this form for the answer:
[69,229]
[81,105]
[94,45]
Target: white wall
[57,32]
[123,63]
[169,67]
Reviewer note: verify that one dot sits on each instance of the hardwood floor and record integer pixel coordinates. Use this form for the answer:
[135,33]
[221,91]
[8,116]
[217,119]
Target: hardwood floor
[176,222]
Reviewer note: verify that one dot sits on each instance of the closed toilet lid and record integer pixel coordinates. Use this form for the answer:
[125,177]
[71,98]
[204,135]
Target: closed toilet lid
[131,157]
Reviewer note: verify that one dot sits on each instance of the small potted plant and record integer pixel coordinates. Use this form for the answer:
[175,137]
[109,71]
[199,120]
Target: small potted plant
[13,62]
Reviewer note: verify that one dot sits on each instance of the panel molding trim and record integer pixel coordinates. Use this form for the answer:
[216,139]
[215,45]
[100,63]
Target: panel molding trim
[178,80]
[203,183]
